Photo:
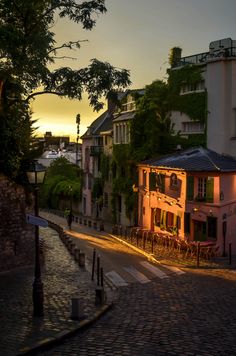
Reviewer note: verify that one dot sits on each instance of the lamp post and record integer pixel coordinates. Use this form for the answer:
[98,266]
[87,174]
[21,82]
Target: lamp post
[36,173]
[77,139]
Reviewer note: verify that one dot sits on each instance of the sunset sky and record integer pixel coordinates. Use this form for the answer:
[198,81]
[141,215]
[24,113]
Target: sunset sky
[136,35]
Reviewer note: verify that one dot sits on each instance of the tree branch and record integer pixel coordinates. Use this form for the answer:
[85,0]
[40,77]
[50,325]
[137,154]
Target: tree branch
[31,96]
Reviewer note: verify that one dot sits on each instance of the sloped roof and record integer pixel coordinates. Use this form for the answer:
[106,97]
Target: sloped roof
[196,159]
[102,123]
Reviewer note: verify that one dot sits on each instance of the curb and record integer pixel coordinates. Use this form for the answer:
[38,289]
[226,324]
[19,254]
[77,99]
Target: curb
[64,334]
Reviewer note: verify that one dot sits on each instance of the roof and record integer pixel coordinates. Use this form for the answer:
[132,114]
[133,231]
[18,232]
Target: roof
[102,123]
[196,159]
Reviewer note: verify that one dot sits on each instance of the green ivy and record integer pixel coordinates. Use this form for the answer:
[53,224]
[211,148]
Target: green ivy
[193,104]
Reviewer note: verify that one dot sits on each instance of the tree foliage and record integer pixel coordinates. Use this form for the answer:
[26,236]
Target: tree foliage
[27,49]
[63,180]
[151,128]
[28,46]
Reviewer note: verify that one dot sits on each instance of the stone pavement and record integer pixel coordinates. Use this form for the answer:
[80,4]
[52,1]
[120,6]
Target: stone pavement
[63,279]
[20,332]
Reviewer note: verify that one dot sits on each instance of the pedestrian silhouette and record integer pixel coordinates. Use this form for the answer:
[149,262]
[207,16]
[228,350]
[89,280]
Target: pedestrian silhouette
[69,219]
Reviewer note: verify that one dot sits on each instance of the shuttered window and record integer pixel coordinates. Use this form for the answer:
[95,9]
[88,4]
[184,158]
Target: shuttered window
[152,181]
[161,182]
[190,188]
[210,190]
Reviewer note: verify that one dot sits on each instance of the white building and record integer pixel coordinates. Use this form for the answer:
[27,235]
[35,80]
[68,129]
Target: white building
[219,80]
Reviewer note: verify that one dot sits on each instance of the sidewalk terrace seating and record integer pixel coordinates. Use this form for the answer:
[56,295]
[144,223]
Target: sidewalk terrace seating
[172,244]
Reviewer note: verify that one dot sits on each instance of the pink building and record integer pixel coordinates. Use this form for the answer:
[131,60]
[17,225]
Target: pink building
[191,194]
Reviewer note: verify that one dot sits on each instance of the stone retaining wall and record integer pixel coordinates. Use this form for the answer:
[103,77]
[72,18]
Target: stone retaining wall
[16,236]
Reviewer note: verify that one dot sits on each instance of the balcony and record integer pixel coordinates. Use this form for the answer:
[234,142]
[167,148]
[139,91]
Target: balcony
[96,150]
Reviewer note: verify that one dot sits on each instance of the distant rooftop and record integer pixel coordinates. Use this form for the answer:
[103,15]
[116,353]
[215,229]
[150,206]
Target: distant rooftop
[217,49]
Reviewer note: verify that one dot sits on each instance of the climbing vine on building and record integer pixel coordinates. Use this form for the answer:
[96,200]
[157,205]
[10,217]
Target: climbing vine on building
[124,175]
[192,104]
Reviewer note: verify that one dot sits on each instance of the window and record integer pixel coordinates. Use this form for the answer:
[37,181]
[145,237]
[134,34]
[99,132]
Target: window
[202,188]
[205,189]
[161,182]
[190,188]
[157,217]
[173,181]
[192,127]
[187,223]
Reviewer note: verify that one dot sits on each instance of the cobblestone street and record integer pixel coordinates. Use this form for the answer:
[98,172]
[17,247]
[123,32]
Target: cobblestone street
[62,280]
[192,314]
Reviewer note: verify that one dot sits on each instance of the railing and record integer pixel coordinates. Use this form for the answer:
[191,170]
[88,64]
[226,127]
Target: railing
[206,56]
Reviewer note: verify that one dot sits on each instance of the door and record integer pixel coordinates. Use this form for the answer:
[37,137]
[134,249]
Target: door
[199,230]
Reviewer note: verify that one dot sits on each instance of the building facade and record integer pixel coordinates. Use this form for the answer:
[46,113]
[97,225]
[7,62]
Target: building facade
[191,194]
[218,73]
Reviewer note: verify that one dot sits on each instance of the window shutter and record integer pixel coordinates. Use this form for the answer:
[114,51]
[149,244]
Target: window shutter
[190,188]
[210,190]
[152,181]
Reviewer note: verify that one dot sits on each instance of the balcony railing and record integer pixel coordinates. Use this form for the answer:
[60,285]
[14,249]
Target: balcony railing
[206,56]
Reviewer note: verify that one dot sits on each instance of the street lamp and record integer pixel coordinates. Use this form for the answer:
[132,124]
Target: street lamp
[36,173]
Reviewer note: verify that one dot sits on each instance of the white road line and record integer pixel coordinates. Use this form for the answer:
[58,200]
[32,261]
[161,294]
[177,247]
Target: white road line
[156,271]
[174,269]
[137,274]
[116,279]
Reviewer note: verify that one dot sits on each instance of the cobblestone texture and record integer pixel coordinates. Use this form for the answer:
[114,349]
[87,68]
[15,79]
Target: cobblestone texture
[191,315]
[62,279]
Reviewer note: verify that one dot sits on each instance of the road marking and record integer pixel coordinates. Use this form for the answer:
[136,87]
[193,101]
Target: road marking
[136,274]
[156,271]
[116,279]
[174,269]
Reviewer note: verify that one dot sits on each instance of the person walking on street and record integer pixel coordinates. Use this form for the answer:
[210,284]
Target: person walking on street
[69,219]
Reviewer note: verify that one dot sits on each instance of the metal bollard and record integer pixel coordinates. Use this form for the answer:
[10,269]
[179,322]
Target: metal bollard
[76,309]
[98,270]
[93,265]
[99,296]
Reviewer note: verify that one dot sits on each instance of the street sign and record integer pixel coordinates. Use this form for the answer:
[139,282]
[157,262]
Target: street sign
[36,220]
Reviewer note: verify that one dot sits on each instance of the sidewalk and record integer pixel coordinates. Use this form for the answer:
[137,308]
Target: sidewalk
[63,279]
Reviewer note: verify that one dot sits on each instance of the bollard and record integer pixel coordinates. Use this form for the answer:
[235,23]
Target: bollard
[101,277]
[89,223]
[93,265]
[98,270]
[99,296]
[101,227]
[81,259]
[76,309]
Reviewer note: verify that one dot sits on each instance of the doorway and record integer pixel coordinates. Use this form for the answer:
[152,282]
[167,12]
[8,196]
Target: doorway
[199,228]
